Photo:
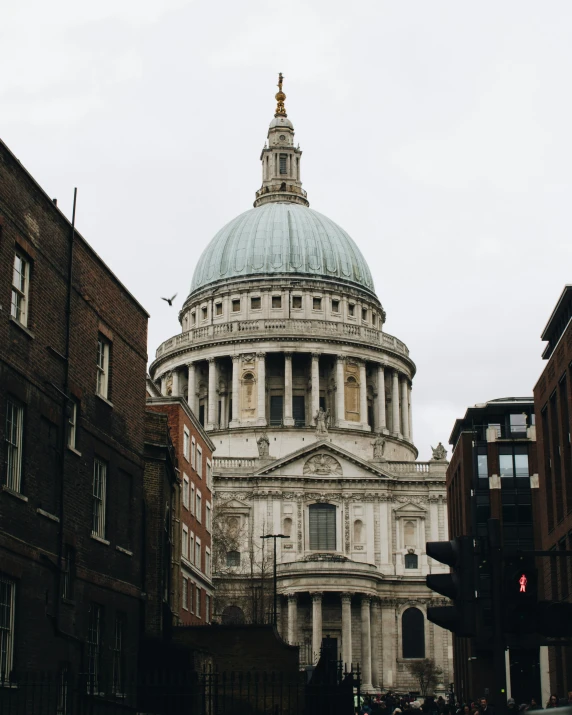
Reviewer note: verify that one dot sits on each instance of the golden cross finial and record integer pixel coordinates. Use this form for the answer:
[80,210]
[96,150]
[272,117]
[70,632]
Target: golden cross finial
[280,97]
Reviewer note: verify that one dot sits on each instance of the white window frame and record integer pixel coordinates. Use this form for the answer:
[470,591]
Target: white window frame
[192,548]
[14,438]
[208,563]
[185,542]
[20,289]
[193,455]
[102,383]
[209,474]
[197,602]
[199,507]
[208,516]
[191,596]
[99,490]
[186,490]
[185,594]
[7,607]
[207,607]
[72,423]
[198,546]
[186,442]
[199,462]
[192,499]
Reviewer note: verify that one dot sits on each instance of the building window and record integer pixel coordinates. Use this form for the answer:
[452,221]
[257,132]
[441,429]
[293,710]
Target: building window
[364,314]
[207,562]
[351,309]
[118,682]
[335,306]
[186,440]
[192,548]
[322,519]
[192,499]
[518,425]
[198,602]
[20,289]
[276,301]
[185,491]
[218,308]
[185,594]
[297,301]
[200,462]
[94,637]
[14,438]
[102,387]
[209,474]
[198,507]
[411,561]
[410,533]
[193,318]
[207,608]
[68,568]
[255,303]
[413,633]
[236,305]
[193,453]
[233,558]
[185,542]
[283,160]
[99,489]
[208,517]
[358,531]
[317,303]
[513,464]
[287,526]
[198,562]
[72,423]
[204,312]
[7,605]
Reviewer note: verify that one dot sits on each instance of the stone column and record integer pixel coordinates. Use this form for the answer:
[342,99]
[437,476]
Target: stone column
[340,391]
[192,388]
[395,403]
[211,418]
[261,372]
[409,412]
[405,408]
[316,626]
[375,643]
[292,618]
[164,383]
[366,643]
[388,652]
[363,393]
[381,423]
[288,418]
[315,385]
[175,384]
[347,629]
[235,398]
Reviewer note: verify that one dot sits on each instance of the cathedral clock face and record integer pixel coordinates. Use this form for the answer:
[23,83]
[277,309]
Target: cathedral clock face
[282,138]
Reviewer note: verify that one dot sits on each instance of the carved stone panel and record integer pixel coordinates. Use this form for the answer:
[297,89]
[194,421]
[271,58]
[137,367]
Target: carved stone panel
[323,464]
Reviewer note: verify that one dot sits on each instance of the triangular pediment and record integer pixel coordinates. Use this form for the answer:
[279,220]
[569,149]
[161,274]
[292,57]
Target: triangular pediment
[233,504]
[410,509]
[324,460]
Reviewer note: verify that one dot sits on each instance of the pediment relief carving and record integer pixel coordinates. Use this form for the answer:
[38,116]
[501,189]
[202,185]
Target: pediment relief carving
[322,465]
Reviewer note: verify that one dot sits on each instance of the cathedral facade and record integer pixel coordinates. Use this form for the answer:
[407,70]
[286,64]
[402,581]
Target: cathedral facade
[284,358]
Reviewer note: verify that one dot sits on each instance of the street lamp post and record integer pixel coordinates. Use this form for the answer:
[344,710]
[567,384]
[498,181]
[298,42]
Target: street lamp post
[274,537]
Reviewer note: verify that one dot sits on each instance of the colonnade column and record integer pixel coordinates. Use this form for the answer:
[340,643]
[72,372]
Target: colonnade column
[381,422]
[164,383]
[395,403]
[405,408]
[211,418]
[347,629]
[340,395]
[362,393]
[375,643]
[316,626]
[192,388]
[261,372]
[315,385]
[175,383]
[410,417]
[234,416]
[288,419]
[292,618]
[366,643]
[388,634]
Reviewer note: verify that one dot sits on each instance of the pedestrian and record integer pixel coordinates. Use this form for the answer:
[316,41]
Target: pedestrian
[553,702]
[567,700]
[511,706]
[534,705]
[485,708]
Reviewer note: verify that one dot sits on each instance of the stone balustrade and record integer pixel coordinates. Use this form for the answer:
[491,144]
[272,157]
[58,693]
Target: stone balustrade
[234,462]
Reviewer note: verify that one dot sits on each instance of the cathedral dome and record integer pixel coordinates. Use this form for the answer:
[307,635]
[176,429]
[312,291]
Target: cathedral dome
[282,238]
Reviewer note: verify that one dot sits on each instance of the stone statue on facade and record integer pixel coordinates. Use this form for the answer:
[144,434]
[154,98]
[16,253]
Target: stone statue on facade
[378,448]
[263,445]
[322,420]
[439,453]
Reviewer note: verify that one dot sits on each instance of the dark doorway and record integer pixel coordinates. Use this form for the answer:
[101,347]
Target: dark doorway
[330,648]
[276,409]
[299,410]
[524,674]
[202,415]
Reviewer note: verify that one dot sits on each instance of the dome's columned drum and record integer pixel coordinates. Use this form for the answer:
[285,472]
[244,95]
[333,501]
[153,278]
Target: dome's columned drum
[282,239]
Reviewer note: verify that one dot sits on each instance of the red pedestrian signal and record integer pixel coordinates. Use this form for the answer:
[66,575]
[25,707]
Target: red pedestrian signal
[523,581]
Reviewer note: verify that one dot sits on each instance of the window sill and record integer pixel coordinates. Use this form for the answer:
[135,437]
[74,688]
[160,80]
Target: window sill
[51,517]
[124,551]
[104,399]
[74,450]
[13,493]
[23,328]
[95,537]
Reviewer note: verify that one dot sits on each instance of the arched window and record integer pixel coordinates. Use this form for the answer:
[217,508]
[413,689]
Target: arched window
[358,531]
[233,558]
[413,633]
[322,519]
[352,395]
[287,527]
[411,561]
[233,615]
[409,533]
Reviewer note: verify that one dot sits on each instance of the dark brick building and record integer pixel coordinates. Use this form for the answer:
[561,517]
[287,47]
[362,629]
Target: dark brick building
[72,404]
[493,473]
[553,405]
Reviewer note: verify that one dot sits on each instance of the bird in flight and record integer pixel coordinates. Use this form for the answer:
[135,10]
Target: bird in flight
[169,300]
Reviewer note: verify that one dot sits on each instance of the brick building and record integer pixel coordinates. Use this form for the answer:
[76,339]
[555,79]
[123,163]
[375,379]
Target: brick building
[493,474]
[194,515]
[553,405]
[73,351]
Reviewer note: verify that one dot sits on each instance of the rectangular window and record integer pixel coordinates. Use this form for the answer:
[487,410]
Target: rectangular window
[192,499]
[283,162]
[236,305]
[102,387]
[518,425]
[209,474]
[193,318]
[185,594]
[255,303]
[276,301]
[198,508]
[186,438]
[351,309]
[185,542]
[72,423]
[299,410]
[205,312]
[14,438]
[20,289]
[99,491]
[200,462]
[335,306]
[317,303]
[198,602]
[297,301]
[198,563]
[118,655]
[364,314]
[218,308]
[192,548]
[322,518]
[193,453]
[94,638]
[185,491]
[68,568]
[207,608]
[207,562]
[7,605]
[191,596]
[276,409]
[208,517]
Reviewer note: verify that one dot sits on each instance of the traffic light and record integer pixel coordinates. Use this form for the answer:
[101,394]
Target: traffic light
[520,594]
[459,585]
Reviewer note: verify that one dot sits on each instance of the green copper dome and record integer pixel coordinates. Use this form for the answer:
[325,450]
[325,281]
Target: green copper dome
[282,239]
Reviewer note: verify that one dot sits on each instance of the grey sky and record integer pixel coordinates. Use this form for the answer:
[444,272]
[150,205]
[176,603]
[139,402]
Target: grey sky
[438,134]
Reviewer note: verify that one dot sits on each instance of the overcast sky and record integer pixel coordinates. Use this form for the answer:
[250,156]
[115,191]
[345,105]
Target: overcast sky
[438,134]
